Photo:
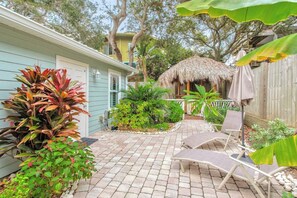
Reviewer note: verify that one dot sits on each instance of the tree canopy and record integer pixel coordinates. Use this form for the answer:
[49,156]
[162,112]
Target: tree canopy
[75,18]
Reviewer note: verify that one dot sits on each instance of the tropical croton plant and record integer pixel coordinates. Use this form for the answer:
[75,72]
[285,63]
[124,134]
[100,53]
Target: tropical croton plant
[44,107]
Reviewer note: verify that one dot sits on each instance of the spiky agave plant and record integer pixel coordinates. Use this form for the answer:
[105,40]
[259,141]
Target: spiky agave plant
[43,107]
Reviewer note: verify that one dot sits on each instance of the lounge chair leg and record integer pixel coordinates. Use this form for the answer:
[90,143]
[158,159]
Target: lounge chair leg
[269,188]
[227,176]
[227,141]
[251,180]
[181,166]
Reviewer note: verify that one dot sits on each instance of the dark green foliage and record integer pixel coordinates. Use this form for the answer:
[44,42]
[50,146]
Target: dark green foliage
[159,54]
[174,112]
[141,108]
[222,111]
[77,19]
[276,131]
[146,92]
[51,170]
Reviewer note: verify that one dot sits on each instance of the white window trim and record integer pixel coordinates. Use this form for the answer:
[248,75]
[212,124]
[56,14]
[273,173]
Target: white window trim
[113,72]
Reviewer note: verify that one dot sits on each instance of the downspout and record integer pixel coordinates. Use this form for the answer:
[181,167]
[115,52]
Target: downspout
[129,75]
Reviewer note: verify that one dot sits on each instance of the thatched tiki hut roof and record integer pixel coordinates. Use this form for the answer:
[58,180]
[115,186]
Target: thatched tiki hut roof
[197,68]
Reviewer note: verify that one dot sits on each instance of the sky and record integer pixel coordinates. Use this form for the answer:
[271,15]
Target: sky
[107,20]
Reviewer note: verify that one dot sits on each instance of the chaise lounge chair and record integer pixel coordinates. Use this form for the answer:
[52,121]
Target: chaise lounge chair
[234,165]
[231,127]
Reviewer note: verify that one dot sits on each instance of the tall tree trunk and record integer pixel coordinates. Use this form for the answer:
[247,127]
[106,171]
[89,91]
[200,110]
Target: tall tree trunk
[144,69]
[135,38]
[114,46]
[117,20]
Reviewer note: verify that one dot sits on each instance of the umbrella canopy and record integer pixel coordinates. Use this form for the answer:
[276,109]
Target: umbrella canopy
[242,88]
[197,68]
[272,51]
[267,11]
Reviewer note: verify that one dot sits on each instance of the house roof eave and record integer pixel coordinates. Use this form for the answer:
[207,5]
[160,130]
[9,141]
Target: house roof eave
[24,24]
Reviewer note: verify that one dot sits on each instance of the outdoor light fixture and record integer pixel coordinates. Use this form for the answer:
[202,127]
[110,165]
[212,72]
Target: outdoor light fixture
[96,73]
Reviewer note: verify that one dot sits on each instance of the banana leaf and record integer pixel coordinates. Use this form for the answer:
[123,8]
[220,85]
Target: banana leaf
[272,51]
[284,150]
[267,11]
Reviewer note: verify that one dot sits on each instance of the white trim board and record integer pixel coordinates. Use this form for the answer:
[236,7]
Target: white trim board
[59,59]
[110,71]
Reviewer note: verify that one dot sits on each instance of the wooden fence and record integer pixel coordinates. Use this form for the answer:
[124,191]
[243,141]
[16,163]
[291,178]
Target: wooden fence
[276,92]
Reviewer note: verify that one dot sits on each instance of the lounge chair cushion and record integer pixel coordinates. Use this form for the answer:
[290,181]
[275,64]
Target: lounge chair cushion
[197,140]
[218,160]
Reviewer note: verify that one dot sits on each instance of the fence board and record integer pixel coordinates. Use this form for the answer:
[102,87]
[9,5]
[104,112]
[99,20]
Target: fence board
[280,90]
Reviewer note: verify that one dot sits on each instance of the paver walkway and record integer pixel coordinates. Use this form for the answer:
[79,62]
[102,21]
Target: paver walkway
[140,165]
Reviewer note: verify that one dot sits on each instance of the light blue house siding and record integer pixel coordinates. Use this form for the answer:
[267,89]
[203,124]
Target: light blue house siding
[19,50]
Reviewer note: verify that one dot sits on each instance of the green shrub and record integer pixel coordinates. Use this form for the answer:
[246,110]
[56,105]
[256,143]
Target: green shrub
[219,118]
[276,131]
[141,108]
[51,170]
[287,195]
[128,115]
[174,112]
[17,187]
[163,126]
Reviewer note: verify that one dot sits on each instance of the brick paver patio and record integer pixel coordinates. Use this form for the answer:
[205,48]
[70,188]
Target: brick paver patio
[140,165]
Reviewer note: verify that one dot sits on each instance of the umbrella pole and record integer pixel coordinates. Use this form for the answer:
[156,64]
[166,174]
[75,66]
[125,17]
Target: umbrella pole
[242,128]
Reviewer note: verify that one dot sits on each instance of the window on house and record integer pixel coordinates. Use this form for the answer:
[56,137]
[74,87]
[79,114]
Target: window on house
[114,89]
[107,49]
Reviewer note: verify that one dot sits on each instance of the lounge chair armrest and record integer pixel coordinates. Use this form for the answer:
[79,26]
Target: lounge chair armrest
[216,126]
[250,166]
[231,130]
[246,148]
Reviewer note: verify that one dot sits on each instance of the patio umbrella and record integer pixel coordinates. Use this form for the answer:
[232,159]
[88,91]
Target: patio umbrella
[272,51]
[242,87]
[267,11]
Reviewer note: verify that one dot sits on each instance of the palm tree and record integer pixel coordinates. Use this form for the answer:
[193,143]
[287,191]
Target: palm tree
[144,52]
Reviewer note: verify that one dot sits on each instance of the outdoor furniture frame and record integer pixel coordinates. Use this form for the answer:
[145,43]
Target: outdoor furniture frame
[230,127]
[237,166]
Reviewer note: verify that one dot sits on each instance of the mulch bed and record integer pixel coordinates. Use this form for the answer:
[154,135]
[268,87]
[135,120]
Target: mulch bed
[149,131]
[191,117]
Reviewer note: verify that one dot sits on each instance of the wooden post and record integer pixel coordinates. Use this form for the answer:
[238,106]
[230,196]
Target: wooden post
[188,89]
[215,87]
[178,88]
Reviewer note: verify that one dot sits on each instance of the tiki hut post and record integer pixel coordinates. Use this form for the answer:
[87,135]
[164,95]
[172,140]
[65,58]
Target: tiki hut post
[178,88]
[188,93]
[215,87]
[188,87]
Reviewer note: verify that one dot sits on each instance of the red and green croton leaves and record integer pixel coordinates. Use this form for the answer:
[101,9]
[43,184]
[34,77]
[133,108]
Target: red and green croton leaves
[45,106]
